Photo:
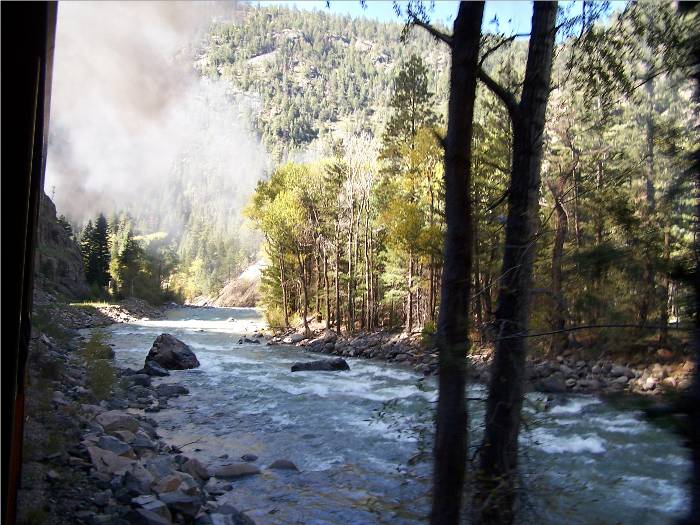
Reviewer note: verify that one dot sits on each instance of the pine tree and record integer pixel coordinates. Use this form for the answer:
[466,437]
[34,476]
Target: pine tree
[100,245]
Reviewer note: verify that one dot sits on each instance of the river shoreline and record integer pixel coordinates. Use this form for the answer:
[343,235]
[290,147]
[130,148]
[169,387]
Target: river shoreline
[660,373]
[97,461]
[92,485]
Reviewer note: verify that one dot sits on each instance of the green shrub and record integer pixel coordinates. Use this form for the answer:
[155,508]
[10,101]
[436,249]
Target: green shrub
[428,333]
[101,376]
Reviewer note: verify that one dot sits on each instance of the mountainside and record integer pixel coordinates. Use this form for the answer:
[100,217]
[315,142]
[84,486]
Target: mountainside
[314,76]
[242,291]
[58,266]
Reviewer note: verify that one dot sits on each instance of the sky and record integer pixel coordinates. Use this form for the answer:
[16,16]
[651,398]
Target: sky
[513,16]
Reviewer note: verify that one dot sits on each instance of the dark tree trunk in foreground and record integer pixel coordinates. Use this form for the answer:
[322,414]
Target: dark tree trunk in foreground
[495,498]
[453,321]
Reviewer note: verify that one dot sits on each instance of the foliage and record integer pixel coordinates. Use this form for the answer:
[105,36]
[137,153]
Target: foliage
[101,375]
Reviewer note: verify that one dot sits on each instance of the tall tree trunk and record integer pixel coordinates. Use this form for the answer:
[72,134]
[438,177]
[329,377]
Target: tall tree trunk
[317,260]
[665,283]
[368,285]
[450,450]
[304,286]
[648,297]
[337,281]
[495,497]
[409,306]
[557,313]
[351,312]
[325,288]
[284,291]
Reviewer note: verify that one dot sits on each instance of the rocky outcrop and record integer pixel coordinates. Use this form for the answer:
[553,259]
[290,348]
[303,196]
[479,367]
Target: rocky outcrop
[171,353]
[59,265]
[241,291]
[323,365]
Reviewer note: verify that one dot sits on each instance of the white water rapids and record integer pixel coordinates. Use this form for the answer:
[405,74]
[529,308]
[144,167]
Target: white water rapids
[362,438]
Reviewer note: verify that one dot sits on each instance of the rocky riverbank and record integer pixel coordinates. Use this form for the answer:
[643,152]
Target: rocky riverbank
[91,454]
[54,311]
[659,372]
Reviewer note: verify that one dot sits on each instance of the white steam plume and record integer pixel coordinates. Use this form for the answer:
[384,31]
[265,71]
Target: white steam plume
[129,115]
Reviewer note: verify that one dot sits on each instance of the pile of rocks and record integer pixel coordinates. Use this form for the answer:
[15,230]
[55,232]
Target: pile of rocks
[566,373]
[112,467]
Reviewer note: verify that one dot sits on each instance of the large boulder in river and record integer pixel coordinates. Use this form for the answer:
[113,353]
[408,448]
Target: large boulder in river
[171,353]
[324,365]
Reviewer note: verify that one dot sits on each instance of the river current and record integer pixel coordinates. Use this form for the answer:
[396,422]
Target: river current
[362,438]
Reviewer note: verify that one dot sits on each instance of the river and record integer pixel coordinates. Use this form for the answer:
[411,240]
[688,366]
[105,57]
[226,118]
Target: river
[361,439]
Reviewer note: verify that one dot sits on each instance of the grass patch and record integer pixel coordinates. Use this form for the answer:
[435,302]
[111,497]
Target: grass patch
[92,304]
[97,357]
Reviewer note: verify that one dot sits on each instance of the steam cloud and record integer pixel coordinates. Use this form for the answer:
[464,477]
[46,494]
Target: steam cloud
[130,116]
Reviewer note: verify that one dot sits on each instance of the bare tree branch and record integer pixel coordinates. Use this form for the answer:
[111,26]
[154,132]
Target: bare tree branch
[438,35]
[502,93]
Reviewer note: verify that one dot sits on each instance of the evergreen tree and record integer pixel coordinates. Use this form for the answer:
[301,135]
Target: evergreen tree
[100,245]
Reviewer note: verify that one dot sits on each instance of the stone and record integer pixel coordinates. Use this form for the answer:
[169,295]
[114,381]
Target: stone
[234,470]
[196,469]
[619,370]
[249,457]
[142,441]
[108,462]
[283,464]
[167,484]
[170,390]
[115,445]
[172,354]
[125,435]
[160,466]
[158,507]
[669,382]
[152,368]
[102,498]
[116,420]
[217,487]
[180,502]
[293,339]
[146,517]
[658,371]
[229,515]
[141,379]
[649,384]
[621,380]
[570,383]
[551,385]
[328,365]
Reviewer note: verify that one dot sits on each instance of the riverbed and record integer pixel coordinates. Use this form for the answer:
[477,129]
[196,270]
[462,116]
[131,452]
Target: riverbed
[361,439]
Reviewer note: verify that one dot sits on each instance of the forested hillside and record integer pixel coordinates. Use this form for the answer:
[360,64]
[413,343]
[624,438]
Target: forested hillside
[355,236]
[315,76]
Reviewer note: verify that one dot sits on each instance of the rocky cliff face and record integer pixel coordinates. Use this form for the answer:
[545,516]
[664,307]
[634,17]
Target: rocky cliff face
[59,266]
[242,291]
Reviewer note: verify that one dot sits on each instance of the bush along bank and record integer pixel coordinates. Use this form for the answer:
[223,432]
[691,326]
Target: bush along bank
[659,372]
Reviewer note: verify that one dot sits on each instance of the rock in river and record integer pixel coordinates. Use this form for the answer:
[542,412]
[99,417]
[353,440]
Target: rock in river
[282,464]
[234,470]
[171,353]
[324,365]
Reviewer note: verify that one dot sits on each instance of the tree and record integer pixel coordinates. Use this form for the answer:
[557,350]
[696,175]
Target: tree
[100,245]
[412,103]
[453,321]
[498,459]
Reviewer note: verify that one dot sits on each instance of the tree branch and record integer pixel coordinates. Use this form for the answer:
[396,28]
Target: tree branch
[438,35]
[502,93]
